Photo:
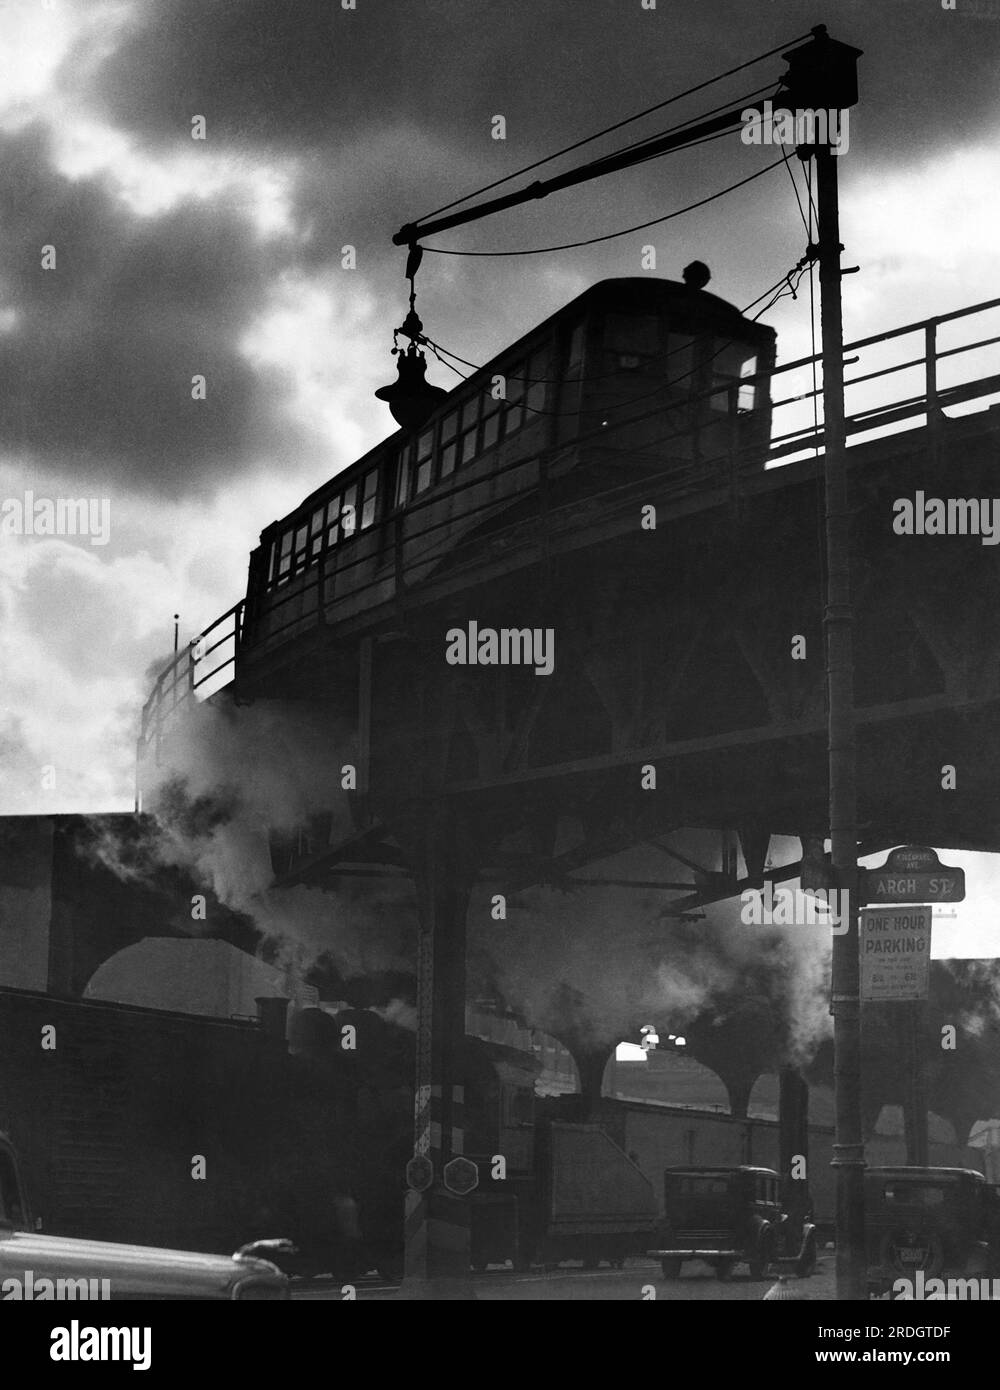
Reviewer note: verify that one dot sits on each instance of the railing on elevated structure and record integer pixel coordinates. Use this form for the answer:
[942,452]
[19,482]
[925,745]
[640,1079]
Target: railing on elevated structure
[208,664]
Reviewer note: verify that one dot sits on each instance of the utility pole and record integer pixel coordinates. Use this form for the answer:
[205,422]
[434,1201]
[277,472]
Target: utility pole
[821,78]
[823,75]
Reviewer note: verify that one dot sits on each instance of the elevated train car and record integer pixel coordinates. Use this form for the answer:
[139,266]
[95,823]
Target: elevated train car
[634,377]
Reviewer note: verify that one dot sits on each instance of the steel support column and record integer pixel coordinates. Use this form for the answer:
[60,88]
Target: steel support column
[437,1260]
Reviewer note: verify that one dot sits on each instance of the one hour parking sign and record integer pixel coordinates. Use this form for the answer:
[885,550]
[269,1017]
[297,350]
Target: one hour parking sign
[895,944]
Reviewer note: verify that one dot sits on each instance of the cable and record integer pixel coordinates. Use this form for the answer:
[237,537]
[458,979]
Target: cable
[608,130]
[610,236]
[595,164]
[795,190]
[812,313]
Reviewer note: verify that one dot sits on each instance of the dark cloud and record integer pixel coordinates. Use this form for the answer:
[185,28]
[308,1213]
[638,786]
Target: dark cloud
[309,74]
[98,368]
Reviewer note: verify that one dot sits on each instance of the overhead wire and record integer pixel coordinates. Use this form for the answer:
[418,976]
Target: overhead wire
[611,236]
[609,130]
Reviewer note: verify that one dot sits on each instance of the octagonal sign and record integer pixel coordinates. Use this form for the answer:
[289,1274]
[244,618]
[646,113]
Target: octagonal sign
[419,1173]
[461,1175]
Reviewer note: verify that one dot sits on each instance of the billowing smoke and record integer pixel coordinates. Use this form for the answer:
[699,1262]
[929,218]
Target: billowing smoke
[235,779]
[591,965]
[588,964]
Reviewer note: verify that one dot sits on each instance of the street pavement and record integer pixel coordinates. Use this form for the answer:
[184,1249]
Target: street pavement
[633,1283]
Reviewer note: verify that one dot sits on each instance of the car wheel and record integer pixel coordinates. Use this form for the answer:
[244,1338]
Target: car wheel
[671,1269]
[760,1260]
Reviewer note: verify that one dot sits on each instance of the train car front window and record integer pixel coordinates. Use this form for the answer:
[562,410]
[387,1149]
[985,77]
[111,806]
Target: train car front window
[732,363]
[679,362]
[632,335]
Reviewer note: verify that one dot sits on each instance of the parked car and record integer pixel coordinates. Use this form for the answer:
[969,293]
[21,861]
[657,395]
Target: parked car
[726,1216]
[33,1265]
[943,1221]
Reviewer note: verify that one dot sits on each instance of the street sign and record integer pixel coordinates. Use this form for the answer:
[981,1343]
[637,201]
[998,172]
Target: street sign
[419,1173]
[895,944]
[912,874]
[461,1175]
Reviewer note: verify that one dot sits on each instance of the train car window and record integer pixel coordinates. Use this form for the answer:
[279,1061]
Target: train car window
[513,416]
[470,413]
[368,499]
[402,477]
[333,520]
[425,452]
[491,427]
[349,512]
[467,445]
[747,395]
[448,455]
[285,559]
[316,532]
[632,334]
[538,369]
[299,557]
[574,358]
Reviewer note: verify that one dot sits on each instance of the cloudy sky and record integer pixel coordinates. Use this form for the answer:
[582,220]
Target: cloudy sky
[329,127]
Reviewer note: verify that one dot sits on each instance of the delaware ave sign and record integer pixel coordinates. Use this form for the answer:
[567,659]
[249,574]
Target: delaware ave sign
[912,874]
[895,946]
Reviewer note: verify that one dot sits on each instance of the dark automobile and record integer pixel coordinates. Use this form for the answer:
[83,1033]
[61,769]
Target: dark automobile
[725,1216]
[43,1266]
[938,1220]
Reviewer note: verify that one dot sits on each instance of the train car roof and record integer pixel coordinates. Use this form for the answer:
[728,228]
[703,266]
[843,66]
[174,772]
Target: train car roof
[625,292]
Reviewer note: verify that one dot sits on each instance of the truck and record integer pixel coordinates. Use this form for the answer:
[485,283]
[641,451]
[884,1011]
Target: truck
[586,1200]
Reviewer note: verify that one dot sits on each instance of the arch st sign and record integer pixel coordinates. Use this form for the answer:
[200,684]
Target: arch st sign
[912,874]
